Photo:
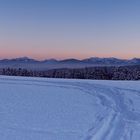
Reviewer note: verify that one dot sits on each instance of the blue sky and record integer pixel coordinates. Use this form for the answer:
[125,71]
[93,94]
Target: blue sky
[69,28]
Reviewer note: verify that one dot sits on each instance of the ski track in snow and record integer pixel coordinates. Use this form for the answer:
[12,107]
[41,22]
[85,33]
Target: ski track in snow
[118,120]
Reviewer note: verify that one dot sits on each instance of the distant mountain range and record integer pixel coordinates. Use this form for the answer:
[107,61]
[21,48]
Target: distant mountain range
[25,62]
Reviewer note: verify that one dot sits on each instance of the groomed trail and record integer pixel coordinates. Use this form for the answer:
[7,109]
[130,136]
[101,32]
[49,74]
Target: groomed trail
[62,109]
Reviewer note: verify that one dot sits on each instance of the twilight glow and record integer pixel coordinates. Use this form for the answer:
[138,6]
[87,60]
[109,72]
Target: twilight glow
[69,28]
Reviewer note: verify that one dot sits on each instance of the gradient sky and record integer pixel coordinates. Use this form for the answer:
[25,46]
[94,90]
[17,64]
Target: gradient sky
[69,28]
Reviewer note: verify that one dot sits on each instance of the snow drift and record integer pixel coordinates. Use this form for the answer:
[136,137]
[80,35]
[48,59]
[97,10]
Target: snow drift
[52,109]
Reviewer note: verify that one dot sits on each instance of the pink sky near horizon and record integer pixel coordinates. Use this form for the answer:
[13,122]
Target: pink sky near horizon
[48,54]
[61,49]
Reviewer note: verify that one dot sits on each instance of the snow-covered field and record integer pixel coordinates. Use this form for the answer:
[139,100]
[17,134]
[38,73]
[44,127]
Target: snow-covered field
[55,109]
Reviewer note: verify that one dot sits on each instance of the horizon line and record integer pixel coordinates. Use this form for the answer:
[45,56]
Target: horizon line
[34,58]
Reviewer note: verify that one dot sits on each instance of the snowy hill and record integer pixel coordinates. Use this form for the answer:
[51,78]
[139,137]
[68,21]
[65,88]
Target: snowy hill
[53,109]
[105,61]
[28,63]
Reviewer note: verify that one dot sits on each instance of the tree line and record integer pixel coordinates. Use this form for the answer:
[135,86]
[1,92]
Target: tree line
[98,73]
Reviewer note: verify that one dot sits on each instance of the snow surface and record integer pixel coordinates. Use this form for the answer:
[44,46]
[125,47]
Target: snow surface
[59,109]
